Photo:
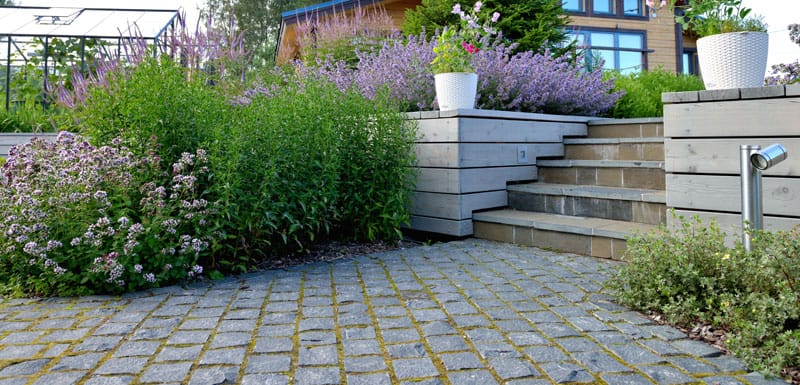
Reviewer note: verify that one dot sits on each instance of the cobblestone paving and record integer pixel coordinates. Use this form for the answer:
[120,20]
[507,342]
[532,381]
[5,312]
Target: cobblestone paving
[468,312]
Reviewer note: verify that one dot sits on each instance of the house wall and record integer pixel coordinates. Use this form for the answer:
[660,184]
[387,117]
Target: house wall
[703,131]
[660,32]
[394,8]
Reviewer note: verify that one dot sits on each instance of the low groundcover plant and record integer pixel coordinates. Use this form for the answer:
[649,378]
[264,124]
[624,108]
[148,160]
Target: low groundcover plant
[689,275]
[81,219]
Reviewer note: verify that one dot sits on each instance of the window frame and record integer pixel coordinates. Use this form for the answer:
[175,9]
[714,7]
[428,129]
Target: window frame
[586,32]
[619,11]
[694,63]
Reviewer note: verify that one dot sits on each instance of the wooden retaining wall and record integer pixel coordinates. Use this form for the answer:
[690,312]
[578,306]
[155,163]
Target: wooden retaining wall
[465,159]
[703,131]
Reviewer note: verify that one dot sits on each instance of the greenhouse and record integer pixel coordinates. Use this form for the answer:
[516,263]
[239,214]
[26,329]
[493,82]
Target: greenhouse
[56,41]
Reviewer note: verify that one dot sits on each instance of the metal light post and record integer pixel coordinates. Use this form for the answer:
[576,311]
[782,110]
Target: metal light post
[752,160]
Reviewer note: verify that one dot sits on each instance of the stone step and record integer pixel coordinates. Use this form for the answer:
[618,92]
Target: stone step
[610,173]
[581,235]
[626,128]
[637,149]
[617,203]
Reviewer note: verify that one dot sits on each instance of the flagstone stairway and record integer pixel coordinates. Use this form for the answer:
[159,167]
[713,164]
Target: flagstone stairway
[608,185]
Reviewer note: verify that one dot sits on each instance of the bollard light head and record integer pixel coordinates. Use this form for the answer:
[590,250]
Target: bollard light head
[768,157]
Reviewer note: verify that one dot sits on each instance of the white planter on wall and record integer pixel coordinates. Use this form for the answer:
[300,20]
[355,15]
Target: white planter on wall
[456,90]
[733,60]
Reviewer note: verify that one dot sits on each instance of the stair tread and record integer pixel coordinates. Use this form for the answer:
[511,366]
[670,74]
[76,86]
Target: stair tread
[600,163]
[590,141]
[564,223]
[587,191]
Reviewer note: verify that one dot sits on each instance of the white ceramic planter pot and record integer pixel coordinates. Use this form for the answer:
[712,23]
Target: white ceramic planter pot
[733,60]
[456,90]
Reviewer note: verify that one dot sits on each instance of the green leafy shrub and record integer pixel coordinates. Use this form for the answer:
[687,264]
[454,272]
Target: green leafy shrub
[80,219]
[151,100]
[304,160]
[533,25]
[690,276]
[642,91]
[26,119]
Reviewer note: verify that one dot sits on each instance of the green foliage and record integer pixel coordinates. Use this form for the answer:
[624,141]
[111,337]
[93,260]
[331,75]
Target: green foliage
[430,16]
[535,25]
[690,276]
[642,91]
[343,36]
[711,17]
[258,20]
[152,100]
[309,161]
[28,81]
[26,119]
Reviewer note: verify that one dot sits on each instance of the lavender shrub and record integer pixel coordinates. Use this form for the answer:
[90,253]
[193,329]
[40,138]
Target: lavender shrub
[524,82]
[530,82]
[81,219]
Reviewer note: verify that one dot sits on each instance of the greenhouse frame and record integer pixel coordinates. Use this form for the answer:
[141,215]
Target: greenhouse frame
[55,41]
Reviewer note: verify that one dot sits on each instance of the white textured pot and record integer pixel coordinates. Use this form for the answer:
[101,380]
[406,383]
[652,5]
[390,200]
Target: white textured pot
[456,90]
[733,60]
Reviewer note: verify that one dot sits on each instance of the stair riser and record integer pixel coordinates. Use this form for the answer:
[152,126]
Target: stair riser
[644,130]
[621,151]
[647,178]
[565,242]
[622,210]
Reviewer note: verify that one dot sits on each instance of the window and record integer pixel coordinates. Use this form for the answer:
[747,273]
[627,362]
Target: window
[690,63]
[607,8]
[622,51]
[574,5]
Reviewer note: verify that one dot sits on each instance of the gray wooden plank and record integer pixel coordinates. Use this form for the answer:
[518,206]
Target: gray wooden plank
[737,118]
[455,228]
[470,180]
[721,155]
[723,193]
[455,206]
[474,130]
[458,155]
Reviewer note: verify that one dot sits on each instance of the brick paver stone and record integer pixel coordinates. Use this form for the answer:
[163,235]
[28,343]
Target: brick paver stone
[463,312]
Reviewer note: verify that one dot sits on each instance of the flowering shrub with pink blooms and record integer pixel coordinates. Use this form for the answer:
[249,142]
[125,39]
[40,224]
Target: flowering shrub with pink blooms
[457,45]
[80,219]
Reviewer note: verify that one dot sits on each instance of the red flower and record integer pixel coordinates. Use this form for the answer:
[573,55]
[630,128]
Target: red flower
[469,47]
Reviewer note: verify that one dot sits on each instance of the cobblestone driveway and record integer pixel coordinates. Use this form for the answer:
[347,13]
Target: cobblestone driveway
[469,312]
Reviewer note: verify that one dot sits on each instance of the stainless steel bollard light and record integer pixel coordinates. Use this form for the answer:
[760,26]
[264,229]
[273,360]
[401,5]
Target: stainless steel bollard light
[768,157]
[752,160]
[752,209]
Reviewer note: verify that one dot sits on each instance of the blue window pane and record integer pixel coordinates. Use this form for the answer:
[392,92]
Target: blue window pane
[687,69]
[602,39]
[627,40]
[608,57]
[573,5]
[603,6]
[633,7]
[630,62]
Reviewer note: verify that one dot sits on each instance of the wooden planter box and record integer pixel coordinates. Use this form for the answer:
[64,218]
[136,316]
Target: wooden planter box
[465,159]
